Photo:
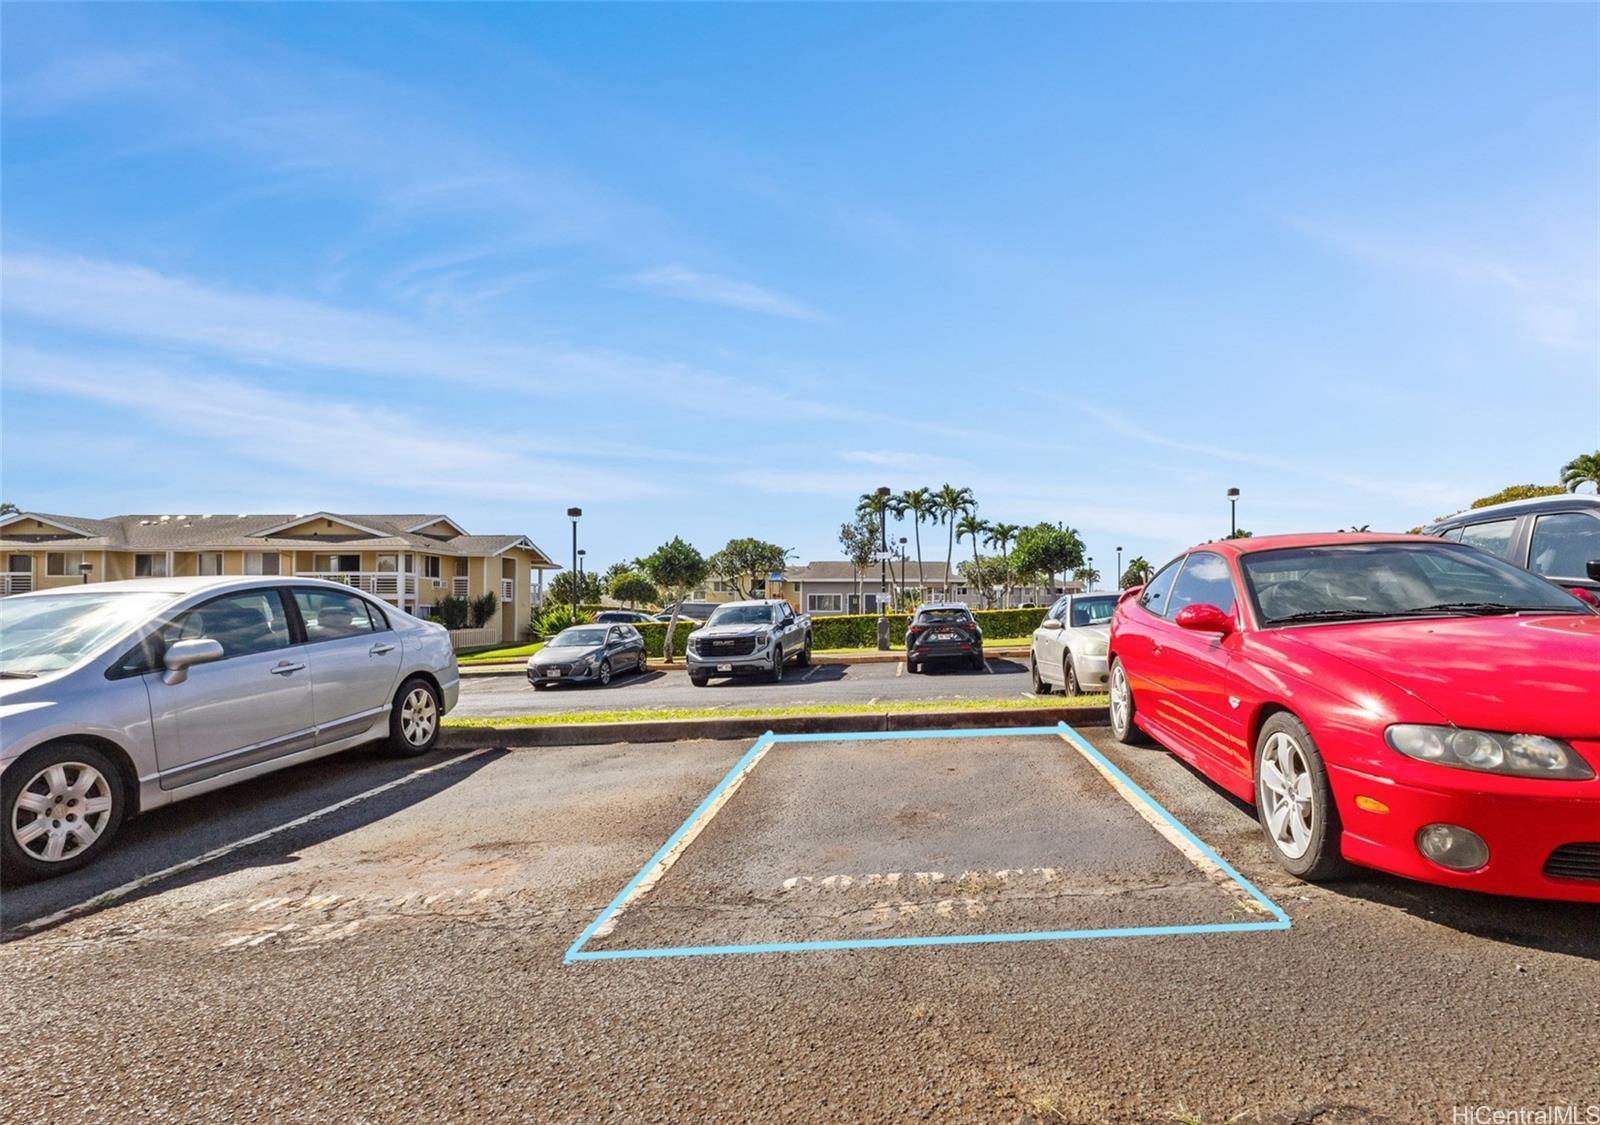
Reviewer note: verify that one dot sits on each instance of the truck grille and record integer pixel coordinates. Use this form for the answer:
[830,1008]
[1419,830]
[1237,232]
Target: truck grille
[726,646]
[1574,861]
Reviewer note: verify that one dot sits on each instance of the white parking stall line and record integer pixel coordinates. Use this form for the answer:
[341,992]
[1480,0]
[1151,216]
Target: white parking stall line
[987,667]
[900,668]
[106,898]
[815,668]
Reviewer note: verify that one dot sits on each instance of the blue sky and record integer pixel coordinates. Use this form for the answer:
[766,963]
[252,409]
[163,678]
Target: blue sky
[715,271]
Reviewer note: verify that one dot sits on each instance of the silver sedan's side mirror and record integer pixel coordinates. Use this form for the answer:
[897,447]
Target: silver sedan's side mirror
[183,655]
[1050,623]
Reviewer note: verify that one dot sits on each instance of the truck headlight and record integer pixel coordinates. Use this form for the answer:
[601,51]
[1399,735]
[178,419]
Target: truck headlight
[1521,755]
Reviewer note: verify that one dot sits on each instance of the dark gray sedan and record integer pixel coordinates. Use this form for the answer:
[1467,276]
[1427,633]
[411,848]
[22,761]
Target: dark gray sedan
[587,654]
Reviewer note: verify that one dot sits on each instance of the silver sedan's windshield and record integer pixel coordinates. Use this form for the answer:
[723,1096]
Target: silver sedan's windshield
[744,615]
[50,632]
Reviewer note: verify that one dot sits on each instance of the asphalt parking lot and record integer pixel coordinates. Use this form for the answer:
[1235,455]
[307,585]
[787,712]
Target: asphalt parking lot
[403,953]
[488,696]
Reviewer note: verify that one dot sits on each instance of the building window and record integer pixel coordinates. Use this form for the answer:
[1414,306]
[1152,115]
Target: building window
[149,566]
[261,562]
[208,563]
[336,564]
[461,568]
[430,566]
[63,563]
[824,603]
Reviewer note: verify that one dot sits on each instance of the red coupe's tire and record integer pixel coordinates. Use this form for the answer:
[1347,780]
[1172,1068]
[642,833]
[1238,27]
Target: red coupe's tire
[1123,728]
[1294,802]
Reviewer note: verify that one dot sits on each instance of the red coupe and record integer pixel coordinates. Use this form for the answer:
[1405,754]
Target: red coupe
[1394,701]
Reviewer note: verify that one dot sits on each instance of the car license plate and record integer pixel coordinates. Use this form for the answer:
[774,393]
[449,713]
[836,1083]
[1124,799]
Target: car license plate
[945,636]
[554,673]
[724,667]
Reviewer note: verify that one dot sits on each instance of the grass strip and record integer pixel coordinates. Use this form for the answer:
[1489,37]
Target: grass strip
[898,706]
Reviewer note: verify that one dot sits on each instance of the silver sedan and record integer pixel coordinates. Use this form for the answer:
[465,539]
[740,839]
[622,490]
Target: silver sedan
[1069,647]
[119,697]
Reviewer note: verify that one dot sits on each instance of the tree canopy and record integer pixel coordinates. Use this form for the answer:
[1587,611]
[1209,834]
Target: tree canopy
[632,587]
[1047,548]
[746,563]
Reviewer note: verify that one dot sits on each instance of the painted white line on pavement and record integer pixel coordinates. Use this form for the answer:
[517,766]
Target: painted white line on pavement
[987,667]
[106,898]
[1207,865]
[686,836]
[900,668]
[815,668]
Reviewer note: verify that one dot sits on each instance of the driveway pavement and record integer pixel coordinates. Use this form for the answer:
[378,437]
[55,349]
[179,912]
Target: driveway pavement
[401,955]
[485,696]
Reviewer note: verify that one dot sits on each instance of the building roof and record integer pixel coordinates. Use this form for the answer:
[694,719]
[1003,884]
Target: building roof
[262,531]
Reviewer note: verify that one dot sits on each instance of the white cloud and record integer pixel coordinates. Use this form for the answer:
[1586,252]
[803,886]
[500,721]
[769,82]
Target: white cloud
[113,299]
[687,284]
[219,419]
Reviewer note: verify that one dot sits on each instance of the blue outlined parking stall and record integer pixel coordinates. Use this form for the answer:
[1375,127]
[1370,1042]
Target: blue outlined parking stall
[922,839]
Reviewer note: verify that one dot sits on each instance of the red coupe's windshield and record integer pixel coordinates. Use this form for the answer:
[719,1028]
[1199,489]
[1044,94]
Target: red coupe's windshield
[1341,582]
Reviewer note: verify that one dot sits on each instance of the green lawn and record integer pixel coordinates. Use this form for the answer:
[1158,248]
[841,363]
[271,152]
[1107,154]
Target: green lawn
[498,655]
[903,706]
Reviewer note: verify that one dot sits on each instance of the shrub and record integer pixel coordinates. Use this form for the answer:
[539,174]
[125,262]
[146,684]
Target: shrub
[555,619]
[452,612]
[655,635]
[482,609]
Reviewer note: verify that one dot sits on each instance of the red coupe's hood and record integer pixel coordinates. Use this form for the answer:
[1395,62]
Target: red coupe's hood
[1539,675]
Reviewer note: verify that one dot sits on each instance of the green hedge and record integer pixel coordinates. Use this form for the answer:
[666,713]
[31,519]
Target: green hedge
[860,630]
[655,634]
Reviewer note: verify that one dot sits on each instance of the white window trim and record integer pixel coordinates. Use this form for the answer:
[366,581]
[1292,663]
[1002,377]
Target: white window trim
[836,606]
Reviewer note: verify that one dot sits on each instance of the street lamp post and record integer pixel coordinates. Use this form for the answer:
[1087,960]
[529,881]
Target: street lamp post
[884,493]
[1091,570]
[578,597]
[1118,578]
[902,566]
[1233,513]
[573,514]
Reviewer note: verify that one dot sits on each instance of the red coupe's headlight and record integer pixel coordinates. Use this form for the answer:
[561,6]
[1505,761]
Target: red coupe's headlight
[1522,755]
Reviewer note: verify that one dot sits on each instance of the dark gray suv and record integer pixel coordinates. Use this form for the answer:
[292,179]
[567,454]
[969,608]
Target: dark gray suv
[1557,537]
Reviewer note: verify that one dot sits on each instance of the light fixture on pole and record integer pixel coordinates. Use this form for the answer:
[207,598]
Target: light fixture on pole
[1091,571]
[573,514]
[902,566]
[1233,513]
[1119,568]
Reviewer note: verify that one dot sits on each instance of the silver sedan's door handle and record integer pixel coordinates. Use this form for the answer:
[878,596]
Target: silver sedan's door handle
[379,649]
[285,668]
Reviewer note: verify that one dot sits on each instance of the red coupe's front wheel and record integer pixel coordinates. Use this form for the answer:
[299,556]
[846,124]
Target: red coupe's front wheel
[1293,801]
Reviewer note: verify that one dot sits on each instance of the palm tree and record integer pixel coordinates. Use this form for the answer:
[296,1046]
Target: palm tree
[1001,536]
[970,524]
[949,505]
[1138,572]
[1581,470]
[1087,575]
[919,502]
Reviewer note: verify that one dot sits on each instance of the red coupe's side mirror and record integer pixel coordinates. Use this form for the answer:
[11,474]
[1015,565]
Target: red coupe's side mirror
[1205,619]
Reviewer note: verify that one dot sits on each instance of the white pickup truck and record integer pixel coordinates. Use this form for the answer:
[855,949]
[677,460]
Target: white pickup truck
[742,638]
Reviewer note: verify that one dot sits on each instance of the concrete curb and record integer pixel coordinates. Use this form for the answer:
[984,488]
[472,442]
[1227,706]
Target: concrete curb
[676,730]
[893,656]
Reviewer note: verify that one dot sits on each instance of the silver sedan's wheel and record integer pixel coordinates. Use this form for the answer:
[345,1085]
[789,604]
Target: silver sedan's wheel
[61,811]
[605,673]
[1286,800]
[414,720]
